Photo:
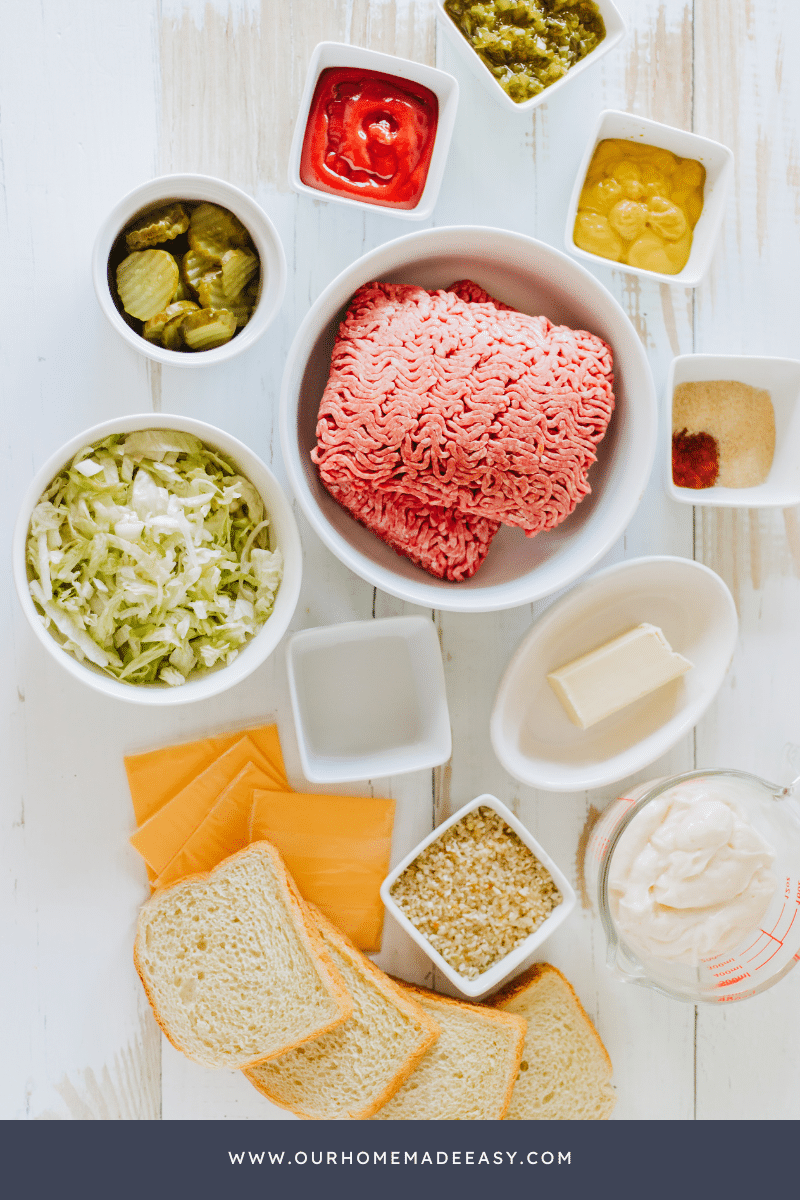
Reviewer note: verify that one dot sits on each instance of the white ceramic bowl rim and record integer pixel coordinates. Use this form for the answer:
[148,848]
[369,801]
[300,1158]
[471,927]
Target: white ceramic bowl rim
[256,650]
[259,226]
[447,596]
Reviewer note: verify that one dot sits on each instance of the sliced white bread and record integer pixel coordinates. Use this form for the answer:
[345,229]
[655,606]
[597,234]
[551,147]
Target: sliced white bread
[565,1073]
[353,1069]
[232,966]
[468,1073]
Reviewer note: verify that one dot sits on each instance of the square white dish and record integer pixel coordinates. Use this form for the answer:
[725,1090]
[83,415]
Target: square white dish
[615,32]
[368,699]
[445,87]
[532,735]
[781,378]
[490,979]
[718,162]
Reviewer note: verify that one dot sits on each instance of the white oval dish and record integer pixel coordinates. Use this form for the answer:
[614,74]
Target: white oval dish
[531,733]
[203,685]
[535,279]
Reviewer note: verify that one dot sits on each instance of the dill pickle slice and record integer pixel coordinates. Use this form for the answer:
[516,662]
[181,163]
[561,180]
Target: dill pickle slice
[160,226]
[208,328]
[172,333]
[210,291]
[213,230]
[154,328]
[146,282]
[240,308]
[183,291]
[211,294]
[238,268]
[194,266]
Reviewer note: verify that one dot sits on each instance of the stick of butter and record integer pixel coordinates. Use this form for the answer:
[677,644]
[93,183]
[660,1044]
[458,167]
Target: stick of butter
[614,675]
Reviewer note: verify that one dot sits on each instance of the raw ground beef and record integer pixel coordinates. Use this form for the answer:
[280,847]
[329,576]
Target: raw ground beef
[447,413]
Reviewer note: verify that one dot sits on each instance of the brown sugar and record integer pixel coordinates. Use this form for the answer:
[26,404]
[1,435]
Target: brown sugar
[739,418]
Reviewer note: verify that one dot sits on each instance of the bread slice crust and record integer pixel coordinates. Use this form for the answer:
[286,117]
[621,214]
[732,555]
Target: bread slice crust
[265,1077]
[528,981]
[302,931]
[513,1026]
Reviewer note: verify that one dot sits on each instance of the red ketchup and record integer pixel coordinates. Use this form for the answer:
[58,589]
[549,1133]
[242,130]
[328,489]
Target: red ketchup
[369,136]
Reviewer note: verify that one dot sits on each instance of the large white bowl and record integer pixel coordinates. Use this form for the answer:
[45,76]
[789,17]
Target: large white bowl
[283,531]
[265,237]
[536,279]
[531,733]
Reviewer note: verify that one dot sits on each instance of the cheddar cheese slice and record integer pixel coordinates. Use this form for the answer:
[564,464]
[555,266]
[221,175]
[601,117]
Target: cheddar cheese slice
[163,834]
[337,849]
[158,775]
[224,830]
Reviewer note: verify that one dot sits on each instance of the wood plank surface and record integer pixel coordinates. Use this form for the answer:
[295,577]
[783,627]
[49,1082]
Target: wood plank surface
[124,92]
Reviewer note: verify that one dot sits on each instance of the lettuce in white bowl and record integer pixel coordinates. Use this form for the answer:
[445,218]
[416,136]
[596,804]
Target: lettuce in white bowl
[150,556]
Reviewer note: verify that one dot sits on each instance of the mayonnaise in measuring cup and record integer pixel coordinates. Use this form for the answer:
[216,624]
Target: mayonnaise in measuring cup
[690,876]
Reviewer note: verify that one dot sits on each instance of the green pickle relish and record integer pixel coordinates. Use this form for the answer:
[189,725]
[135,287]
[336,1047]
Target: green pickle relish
[528,44]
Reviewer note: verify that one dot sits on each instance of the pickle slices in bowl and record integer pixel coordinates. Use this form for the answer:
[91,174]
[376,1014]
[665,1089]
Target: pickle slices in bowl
[187,275]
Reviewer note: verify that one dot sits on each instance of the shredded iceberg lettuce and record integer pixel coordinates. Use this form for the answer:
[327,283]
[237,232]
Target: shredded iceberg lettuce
[149,556]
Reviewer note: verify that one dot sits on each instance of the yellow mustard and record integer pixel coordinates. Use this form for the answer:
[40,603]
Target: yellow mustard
[639,205]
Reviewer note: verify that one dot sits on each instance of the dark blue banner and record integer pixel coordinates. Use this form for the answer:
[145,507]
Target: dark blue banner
[196,1160]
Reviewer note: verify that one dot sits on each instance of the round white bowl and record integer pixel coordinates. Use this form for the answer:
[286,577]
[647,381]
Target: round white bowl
[531,733]
[536,279]
[200,685]
[215,191]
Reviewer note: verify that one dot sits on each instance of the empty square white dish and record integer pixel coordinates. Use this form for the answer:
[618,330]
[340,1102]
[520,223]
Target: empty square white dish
[718,162]
[490,979]
[445,87]
[368,699]
[615,32]
[781,378]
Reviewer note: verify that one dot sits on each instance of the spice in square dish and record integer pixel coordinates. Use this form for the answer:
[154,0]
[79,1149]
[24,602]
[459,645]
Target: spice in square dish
[723,434]
[476,893]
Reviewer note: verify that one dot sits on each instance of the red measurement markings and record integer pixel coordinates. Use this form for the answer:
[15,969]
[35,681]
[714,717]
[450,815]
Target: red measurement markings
[730,982]
[737,966]
[777,942]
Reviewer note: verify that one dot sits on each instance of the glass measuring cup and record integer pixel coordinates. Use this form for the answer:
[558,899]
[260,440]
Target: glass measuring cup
[767,952]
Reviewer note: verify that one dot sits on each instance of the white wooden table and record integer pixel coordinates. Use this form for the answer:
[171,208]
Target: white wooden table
[97,96]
